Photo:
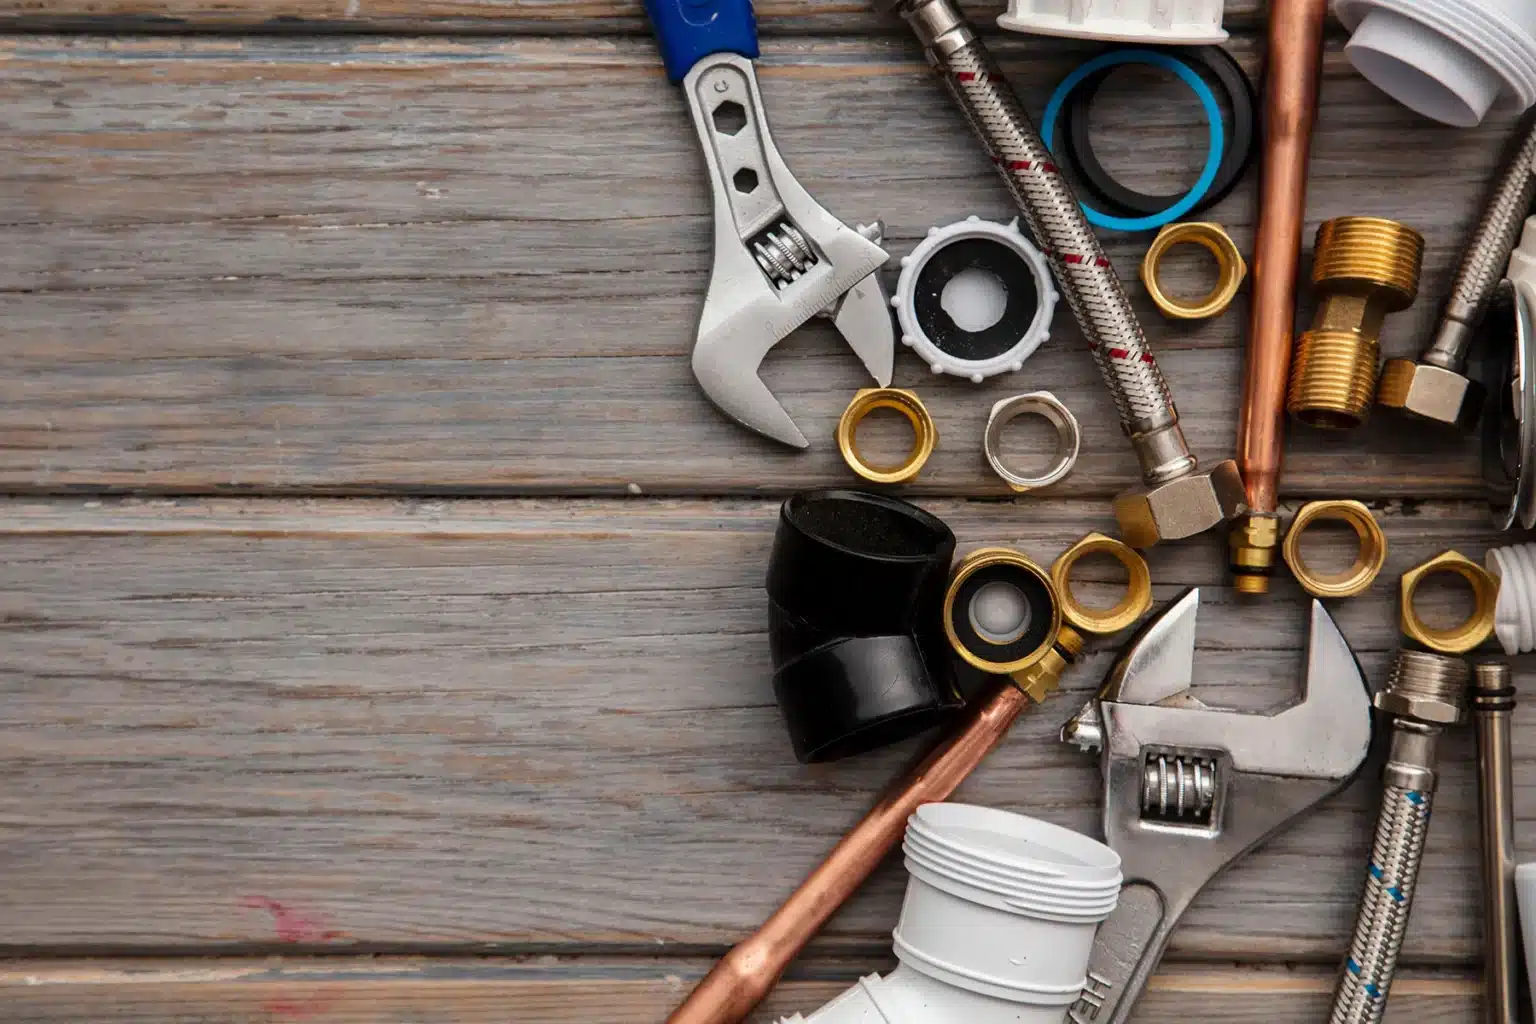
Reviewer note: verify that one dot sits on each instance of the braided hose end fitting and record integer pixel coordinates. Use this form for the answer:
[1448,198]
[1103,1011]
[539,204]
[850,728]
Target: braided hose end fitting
[1435,388]
[1425,693]
[1175,500]
[1363,269]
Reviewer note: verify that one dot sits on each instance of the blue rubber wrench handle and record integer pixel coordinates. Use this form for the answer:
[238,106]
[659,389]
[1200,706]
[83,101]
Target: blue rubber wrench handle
[690,30]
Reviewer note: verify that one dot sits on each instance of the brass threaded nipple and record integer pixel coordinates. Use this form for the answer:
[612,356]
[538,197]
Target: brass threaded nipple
[1363,268]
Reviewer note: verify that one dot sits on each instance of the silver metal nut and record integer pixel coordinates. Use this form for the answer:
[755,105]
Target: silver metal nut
[1181,507]
[1430,393]
[1436,712]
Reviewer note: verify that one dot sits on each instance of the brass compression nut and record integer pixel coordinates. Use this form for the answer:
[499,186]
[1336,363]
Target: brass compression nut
[1458,639]
[1369,559]
[1363,268]
[924,433]
[1230,269]
[1252,548]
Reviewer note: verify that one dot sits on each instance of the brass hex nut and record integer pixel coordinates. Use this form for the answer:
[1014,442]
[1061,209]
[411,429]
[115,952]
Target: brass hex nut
[1430,393]
[1369,558]
[1458,639]
[1180,508]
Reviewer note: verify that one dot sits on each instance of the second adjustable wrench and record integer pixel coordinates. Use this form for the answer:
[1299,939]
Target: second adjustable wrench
[1189,789]
[780,258]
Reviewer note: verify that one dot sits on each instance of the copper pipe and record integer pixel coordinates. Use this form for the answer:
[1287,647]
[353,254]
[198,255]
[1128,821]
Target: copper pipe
[746,974]
[1293,66]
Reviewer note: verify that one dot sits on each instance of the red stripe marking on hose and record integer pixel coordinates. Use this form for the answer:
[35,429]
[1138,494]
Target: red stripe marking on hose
[970,76]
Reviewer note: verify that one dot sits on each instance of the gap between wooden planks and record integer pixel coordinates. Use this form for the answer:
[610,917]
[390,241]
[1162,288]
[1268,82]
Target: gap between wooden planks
[340,265]
[400,990]
[362,724]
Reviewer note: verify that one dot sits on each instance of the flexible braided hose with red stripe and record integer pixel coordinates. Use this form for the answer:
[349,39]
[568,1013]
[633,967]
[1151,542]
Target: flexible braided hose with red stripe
[1087,280]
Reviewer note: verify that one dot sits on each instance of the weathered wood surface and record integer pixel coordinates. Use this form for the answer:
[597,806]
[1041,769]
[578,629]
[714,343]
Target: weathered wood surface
[404,991]
[461,266]
[515,725]
[501,17]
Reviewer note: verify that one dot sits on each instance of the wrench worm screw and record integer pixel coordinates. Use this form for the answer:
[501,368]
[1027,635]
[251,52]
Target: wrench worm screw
[1426,693]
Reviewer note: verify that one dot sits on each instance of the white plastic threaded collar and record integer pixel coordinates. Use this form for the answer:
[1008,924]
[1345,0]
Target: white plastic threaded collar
[1450,60]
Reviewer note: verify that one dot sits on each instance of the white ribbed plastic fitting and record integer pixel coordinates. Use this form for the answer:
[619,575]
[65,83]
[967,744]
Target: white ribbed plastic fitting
[1187,22]
[1514,614]
[1449,60]
[997,925]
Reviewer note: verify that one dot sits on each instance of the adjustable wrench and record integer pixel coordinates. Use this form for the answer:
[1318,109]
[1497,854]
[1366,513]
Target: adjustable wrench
[1189,789]
[780,258]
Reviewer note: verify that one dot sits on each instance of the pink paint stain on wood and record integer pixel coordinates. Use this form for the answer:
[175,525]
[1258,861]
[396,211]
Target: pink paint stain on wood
[302,1008]
[293,925]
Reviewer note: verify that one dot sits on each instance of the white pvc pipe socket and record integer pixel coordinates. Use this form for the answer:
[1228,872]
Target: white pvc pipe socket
[997,925]
[1187,22]
[1449,60]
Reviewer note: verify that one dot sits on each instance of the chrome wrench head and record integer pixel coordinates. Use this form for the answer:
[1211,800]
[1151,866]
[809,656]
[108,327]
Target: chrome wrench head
[780,258]
[1189,789]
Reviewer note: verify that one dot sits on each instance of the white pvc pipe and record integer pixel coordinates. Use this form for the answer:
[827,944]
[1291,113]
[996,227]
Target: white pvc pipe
[997,924]
[1449,60]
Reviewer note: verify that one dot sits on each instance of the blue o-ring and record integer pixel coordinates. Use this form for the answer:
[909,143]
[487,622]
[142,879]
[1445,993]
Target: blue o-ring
[1216,133]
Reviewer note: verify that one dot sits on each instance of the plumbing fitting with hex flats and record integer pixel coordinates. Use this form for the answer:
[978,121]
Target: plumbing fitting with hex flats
[924,434]
[1436,387]
[1363,268]
[1069,439]
[1369,559]
[1176,499]
[1230,270]
[1479,624]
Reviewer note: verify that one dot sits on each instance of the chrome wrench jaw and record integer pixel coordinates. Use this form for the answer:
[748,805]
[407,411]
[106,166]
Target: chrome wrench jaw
[779,257]
[1189,789]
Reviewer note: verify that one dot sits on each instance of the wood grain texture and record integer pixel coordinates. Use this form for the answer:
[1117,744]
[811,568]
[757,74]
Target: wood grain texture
[404,991]
[459,266]
[529,724]
[499,17]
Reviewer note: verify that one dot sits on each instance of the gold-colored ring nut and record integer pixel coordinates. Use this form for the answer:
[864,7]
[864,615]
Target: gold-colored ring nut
[1479,625]
[1138,586]
[924,434]
[1368,560]
[1230,269]
[980,559]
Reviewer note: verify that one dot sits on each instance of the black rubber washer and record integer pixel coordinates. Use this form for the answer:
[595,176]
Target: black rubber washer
[1037,596]
[949,262]
[1242,137]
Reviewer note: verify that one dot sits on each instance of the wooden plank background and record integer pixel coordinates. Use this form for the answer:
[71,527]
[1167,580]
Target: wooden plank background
[381,602]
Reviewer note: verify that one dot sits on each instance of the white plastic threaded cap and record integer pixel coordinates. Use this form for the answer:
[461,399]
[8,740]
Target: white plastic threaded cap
[1188,22]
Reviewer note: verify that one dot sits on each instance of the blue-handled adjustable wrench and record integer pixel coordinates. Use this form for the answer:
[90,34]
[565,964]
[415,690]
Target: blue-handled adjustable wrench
[780,258]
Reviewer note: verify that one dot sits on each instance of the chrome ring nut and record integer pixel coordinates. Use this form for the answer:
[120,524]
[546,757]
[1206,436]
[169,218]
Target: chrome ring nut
[1047,406]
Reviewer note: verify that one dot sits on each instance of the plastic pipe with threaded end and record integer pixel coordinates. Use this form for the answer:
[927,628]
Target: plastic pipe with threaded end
[1426,693]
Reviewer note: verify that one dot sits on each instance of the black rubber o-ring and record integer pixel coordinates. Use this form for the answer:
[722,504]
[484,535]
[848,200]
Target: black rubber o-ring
[1241,148]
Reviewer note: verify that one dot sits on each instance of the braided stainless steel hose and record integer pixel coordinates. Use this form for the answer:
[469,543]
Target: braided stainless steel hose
[1426,693]
[1436,387]
[1176,501]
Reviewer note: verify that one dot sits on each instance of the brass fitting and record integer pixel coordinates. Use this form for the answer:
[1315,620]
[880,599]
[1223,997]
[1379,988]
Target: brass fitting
[1363,268]
[1458,639]
[924,434]
[1045,629]
[1430,392]
[1372,554]
[1181,507]
[1230,269]
[1253,544]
